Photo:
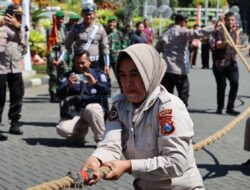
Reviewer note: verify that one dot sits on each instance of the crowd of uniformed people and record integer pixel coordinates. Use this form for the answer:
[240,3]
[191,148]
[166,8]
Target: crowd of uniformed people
[147,123]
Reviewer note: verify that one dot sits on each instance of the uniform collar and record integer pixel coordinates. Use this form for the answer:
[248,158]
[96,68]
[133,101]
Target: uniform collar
[148,103]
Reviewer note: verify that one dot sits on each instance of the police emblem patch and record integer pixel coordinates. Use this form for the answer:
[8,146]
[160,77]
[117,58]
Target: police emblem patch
[167,128]
[113,114]
[165,113]
[166,122]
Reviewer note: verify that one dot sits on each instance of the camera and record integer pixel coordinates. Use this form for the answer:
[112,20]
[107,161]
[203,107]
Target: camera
[81,78]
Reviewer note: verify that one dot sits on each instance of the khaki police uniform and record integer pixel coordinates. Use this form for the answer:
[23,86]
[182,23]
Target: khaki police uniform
[7,35]
[14,58]
[80,34]
[173,46]
[157,140]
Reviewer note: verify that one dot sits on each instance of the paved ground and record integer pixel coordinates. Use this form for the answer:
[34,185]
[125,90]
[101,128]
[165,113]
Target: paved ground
[40,155]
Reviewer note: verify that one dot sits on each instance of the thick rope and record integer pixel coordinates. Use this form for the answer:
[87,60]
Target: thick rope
[231,43]
[55,185]
[212,138]
[66,182]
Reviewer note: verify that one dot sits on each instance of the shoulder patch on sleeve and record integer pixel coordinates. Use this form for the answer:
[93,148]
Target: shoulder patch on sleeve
[103,78]
[166,122]
[113,114]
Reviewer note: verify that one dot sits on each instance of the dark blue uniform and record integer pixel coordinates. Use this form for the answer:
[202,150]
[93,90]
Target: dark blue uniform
[91,93]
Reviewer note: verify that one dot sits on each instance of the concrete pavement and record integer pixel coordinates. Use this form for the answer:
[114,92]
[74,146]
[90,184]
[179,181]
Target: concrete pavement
[40,155]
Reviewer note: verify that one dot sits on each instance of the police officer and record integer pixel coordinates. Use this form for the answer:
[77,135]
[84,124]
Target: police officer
[11,35]
[150,126]
[173,44]
[92,86]
[116,40]
[56,67]
[225,66]
[92,37]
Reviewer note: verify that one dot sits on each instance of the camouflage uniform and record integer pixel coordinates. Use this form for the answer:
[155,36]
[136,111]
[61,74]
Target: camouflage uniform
[116,43]
[55,72]
[127,39]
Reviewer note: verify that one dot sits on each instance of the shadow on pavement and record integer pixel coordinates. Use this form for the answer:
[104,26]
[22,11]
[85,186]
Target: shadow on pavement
[243,96]
[56,142]
[205,111]
[220,170]
[35,99]
[39,123]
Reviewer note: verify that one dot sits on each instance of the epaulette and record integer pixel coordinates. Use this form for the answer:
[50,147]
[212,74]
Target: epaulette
[163,97]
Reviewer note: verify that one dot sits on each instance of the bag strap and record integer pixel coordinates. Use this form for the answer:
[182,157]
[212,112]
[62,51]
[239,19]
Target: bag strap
[91,38]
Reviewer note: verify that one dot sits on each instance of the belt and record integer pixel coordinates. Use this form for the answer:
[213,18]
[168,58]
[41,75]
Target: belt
[94,58]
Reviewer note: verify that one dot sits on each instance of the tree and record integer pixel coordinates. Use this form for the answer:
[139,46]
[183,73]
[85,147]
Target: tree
[131,5]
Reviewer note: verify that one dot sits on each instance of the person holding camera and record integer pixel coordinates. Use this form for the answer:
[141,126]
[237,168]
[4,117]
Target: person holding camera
[11,35]
[93,87]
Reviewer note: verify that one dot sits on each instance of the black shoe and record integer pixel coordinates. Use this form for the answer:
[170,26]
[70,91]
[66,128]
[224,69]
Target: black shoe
[3,138]
[219,111]
[54,99]
[247,163]
[233,112]
[15,129]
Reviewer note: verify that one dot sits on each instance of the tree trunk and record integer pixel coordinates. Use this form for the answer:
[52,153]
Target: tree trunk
[131,5]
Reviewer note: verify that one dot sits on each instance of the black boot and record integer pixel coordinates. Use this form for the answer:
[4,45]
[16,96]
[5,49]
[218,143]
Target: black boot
[53,98]
[3,138]
[15,129]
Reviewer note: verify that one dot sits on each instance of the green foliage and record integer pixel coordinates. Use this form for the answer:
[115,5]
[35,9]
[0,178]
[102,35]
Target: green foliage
[40,69]
[36,16]
[76,7]
[103,15]
[211,3]
[45,23]
[136,19]
[120,13]
[165,24]
[173,3]
[37,42]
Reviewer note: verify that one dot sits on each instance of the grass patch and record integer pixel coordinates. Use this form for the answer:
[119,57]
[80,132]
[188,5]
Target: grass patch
[40,69]
[39,76]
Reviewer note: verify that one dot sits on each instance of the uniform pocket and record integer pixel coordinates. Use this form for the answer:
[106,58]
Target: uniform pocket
[3,41]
